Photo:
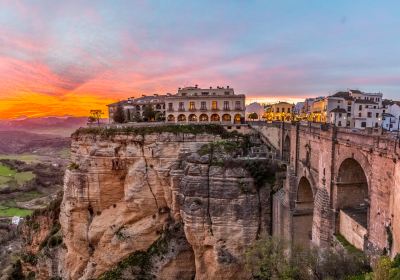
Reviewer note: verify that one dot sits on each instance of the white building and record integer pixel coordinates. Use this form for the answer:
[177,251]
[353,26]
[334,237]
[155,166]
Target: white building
[194,104]
[391,115]
[354,109]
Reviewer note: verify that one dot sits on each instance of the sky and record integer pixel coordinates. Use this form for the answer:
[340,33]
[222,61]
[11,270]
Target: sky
[67,57]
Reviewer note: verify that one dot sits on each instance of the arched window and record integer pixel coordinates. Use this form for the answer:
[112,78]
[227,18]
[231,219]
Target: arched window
[203,118]
[238,118]
[181,118]
[192,118]
[171,118]
[226,118]
[215,118]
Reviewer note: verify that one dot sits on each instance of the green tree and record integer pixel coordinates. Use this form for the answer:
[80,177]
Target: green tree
[17,273]
[95,115]
[253,116]
[149,114]
[119,115]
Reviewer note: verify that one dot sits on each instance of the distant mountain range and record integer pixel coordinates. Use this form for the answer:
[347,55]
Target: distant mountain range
[60,126]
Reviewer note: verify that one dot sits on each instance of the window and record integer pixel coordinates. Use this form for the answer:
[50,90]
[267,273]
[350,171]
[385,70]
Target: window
[360,107]
[226,104]
[340,115]
[376,124]
[203,105]
[348,115]
[339,101]
[191,105]
[374,107]
[366,106]
[181,106]
[340,123]
[348,108]
[283,110]
[170,108]
[183,93]
[369,115]
[288,110]
[214,105]
[363,124]
[359,114]
[204,93]
[226,92]
[377,115]
[277,110]
[237,105]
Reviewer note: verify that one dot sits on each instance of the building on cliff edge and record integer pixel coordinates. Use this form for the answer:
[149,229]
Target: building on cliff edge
[188,105]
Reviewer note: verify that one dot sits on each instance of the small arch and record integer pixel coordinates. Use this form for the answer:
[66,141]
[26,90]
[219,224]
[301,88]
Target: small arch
[192,118]
[237,118]
[171,118]
[226,118]
[203,118]
[351,200]
[181,118]
[304,213]
[215,118]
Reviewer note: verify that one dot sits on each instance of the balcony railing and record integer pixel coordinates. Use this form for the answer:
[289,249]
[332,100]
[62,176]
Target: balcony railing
[192,109]
[203,109]
[227,109]
[181,110]
[214,109]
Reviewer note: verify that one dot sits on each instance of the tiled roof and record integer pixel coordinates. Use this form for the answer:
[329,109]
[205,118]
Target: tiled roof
[338,110]
[343,94]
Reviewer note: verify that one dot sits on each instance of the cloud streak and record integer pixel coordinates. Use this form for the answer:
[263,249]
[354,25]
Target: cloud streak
[60,58]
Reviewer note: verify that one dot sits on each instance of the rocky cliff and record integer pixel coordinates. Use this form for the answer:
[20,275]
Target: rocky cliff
[166,203]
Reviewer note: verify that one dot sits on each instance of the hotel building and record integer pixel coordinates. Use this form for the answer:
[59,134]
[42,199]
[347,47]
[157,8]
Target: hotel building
[193,105]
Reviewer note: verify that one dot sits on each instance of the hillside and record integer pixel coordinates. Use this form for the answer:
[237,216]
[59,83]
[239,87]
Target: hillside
[18,142]
[62,126]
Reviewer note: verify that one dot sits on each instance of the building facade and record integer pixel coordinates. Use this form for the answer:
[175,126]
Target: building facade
[281,111]
[196,105]
[145,108]
[391,115]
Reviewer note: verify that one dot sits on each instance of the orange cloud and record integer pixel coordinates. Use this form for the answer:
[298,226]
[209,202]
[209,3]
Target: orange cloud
[39,105]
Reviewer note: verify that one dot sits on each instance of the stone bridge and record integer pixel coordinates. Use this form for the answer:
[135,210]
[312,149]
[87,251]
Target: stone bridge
[339,181]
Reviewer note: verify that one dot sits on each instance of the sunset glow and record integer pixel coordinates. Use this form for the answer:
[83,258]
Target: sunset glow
[67,57]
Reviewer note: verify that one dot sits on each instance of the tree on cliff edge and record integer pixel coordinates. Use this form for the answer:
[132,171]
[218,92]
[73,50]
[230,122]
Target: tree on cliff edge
[119,115]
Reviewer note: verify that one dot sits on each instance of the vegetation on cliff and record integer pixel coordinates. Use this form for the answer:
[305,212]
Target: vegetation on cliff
[213,129]
[267,259]
[139,264]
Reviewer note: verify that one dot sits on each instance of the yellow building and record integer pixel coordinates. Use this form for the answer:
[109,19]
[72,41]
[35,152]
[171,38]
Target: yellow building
[281,111]
[318,111]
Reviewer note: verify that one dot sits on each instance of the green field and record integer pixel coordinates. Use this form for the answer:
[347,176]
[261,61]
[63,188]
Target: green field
[12,211]
[28,158]
[7,175]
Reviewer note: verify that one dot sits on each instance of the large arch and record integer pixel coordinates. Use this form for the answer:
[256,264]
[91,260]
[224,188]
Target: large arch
[286,149]
[226,118]
[171,118]
[237,119]
[351,202]
[181,118]
[192,118]
[303,213]
[203,118]
[215,118]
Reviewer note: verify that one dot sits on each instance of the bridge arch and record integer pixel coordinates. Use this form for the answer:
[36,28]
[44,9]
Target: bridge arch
[351,196]
[303,212]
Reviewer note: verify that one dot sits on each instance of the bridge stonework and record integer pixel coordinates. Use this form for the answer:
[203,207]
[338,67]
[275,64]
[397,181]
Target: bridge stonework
[334,172]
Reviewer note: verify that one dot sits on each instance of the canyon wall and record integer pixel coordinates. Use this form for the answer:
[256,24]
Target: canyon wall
[152,205]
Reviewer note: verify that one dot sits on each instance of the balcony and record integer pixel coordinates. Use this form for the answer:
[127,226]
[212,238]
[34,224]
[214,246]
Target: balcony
[227,109]
[170,109]
[203,109]
[239,109]
[181,110]
[215,109]
[192,109]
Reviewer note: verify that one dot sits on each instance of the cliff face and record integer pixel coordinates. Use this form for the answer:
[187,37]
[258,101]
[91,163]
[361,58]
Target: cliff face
[151,204]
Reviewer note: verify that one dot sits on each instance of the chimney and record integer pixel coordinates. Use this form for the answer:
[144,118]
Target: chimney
[227,87]
[196,86]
